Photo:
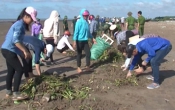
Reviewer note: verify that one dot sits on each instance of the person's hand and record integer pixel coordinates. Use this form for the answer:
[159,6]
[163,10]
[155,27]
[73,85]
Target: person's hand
[74,45]
[139,70]
[144,63]
[42,60]
[123,66]
[129,74]
[27,55]
[94,41]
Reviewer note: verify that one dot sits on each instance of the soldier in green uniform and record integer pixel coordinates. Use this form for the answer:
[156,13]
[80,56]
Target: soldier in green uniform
[65,24]
[106,29]
[130,22]
[98,21]
[141,23]
[74,22]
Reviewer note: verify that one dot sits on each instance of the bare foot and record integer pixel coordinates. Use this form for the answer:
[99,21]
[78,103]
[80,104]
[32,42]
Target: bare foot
[64,52]
[79,70]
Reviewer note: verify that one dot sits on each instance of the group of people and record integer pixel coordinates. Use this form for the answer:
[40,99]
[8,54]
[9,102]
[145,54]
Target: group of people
[132,42]
[44,39]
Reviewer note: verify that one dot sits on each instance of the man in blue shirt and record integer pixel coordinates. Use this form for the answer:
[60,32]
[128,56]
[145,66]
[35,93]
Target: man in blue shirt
[156,48]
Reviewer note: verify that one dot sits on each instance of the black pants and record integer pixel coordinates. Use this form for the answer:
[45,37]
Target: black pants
[63,49]
[27,66]
[128,35]
[50,41]
[13,65]
[83,45]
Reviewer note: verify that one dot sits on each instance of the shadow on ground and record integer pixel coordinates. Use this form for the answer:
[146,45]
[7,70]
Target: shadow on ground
[164,74]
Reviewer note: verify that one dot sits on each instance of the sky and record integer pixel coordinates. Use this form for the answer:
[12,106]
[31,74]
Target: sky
[10,9]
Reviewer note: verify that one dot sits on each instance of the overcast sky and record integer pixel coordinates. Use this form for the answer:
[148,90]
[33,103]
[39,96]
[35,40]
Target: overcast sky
[9,9]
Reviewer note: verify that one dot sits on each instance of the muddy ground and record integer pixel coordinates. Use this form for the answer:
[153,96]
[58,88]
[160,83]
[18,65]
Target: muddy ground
[106,90]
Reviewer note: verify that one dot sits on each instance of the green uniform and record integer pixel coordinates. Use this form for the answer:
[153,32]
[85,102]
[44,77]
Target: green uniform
[119,27]
[65,23]
[106,28]
[131,22]
[141,21]
[74,22]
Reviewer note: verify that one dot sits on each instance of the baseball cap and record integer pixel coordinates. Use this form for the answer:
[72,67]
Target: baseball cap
[49,49]
[129,49]
[32,12]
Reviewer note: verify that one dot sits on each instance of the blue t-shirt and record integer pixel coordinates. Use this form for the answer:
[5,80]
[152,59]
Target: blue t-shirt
[34,44]
[14,35]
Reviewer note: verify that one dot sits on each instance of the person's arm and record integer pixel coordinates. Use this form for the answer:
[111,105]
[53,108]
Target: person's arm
[33,28]
[91,27]
[138,24]
[17,40]
[118,38]
[127,62]
[76,32]
[126,24]
[134,61]
[37,61]
[56,29]
[68,44]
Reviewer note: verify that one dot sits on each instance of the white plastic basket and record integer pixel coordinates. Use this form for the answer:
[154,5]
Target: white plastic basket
[107,39]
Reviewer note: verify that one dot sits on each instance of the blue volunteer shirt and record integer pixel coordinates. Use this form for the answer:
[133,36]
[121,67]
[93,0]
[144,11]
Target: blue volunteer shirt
[14,35]
[34,44]
[149,46]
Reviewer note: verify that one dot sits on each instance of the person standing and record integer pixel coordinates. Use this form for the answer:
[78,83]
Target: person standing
[65,24]
[51,31]
[98,22]
[74,22]
[80,38]
[13,46]
[93,26]
[141,23]
[36,32]
[36,28]
[130,22]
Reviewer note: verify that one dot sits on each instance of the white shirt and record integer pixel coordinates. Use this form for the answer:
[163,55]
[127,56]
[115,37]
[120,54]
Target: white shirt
[51,26]
[63,42]
[128,60]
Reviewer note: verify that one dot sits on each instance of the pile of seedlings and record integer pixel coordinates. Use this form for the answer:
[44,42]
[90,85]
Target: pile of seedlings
[111,55]
[52,87]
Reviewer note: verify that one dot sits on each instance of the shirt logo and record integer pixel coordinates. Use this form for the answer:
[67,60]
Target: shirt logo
[16,33]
